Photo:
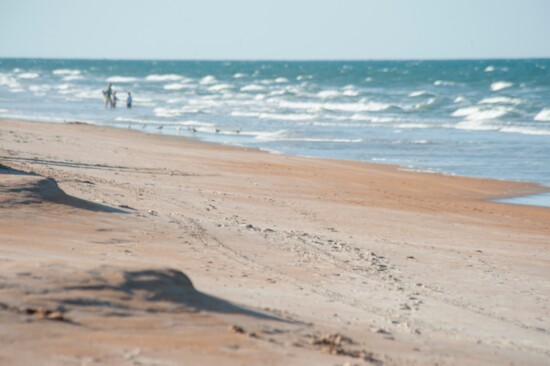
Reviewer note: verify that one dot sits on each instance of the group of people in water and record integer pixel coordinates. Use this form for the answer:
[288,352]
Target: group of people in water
[110,98]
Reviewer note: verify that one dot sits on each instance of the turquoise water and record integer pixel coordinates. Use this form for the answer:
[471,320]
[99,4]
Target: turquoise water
[486,118]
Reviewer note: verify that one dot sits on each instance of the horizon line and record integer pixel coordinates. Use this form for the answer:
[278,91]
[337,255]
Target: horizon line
[277,60]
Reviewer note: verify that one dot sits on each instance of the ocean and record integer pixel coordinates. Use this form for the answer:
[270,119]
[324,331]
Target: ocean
[480,118]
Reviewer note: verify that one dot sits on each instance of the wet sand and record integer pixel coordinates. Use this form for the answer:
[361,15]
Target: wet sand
[119,247]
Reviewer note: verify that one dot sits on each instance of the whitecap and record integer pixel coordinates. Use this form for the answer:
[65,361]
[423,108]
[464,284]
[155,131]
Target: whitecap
[67,72]
[287,117]
[419,93]
[164,77]
[481,113]
[489,69]
[220,87]
[63,86]
[413,125]
[208,79]
[499,85]
[460,100]
[244,114]
[175,86]
[525,130]
[500,100]
[476,125]
[304,77]
[281,80]
[350,91]
[167,112]
[9,81]
[443,83]
[2,110]
[356,107]
[121,79]
[88,94]
[40,89]
[374,119]
[239,75]
[543,115]
[73,77]
[326,94]
[28,75]
[252,88]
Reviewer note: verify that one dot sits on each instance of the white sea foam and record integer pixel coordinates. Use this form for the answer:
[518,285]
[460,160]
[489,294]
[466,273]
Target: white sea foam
[9,81]
[304,77]
[499,85]
[338,107]
[281,80]
[287,117]
[66,72]
[122,79]
[167,112]
[208,79]
[300,105]
[63,86]
[413,125]
[479,113]
[2,110]
[175,86]
[327,94]
[476,125]
[525,130]
[41,89]
[460,100]
[88,94]
[500,100]
[373,119]
[72,77]
[489,69]
[160,122]
[349,91]
[356,107]
[252,88]
[239,75]
[543,115]
[444,83]
[28,75]
[220,87]
[282,135]
[164,77]
[419,93]
[244,114]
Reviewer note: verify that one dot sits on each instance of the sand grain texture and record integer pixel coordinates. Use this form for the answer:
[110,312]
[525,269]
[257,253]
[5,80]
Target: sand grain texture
[118,247]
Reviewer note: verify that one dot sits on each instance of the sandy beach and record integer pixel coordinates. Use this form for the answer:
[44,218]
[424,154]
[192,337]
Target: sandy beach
[126,248]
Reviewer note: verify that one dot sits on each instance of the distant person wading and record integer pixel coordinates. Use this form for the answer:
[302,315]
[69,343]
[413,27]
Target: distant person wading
[107,94]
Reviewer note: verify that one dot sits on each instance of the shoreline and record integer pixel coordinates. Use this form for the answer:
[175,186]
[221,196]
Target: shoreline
[125,247]
[538,187]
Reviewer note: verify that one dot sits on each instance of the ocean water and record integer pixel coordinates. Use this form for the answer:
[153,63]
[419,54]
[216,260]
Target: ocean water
[484,118]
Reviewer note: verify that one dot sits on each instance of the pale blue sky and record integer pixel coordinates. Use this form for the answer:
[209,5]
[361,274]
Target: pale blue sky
[281,29]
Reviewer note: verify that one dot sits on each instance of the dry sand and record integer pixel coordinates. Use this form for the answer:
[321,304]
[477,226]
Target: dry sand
[119,247]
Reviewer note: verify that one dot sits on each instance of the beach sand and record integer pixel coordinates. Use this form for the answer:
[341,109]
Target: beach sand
[125,248]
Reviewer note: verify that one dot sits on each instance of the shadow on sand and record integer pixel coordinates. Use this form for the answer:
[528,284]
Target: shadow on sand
[29,188]
[153,290]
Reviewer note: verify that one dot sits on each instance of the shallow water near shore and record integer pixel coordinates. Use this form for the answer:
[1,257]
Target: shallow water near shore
[542,200]
[485,118]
